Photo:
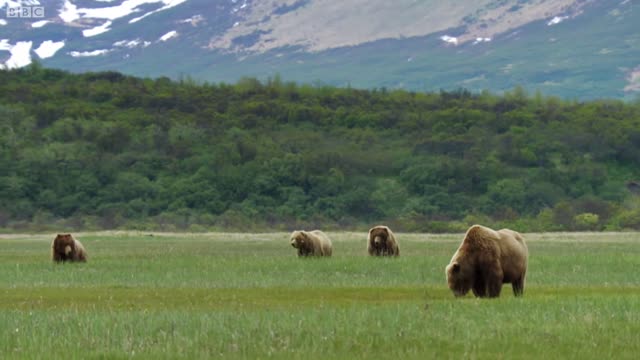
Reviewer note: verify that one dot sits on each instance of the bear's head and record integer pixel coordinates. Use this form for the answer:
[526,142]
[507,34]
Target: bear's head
[459,278]
[379,236]
[64,244]
[299,239]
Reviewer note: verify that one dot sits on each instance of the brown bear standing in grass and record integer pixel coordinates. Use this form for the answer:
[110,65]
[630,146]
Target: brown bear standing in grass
[382,242]
[311,243]
[66,248]
[485,260]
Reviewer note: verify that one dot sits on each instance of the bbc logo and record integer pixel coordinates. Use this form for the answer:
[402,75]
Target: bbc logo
[25,12]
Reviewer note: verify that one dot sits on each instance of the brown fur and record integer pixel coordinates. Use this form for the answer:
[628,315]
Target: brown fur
[311,243]
[66,248]
[382,242]
[485,260]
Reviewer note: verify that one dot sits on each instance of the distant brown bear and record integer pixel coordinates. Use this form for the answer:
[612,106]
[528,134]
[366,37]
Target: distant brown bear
[311,243]
[382,242]
[485,260]
[66,248]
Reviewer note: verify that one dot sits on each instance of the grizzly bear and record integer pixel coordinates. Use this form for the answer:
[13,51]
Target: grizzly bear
[66,248]
[311,243]
[485,260]
[382,242]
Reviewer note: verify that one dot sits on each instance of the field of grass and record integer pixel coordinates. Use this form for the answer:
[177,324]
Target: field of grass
[249,296]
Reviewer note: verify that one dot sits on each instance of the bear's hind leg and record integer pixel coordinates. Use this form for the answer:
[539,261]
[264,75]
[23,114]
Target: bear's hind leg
[518,286]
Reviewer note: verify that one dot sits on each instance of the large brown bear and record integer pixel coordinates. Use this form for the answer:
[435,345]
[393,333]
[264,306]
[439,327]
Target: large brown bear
[66,248]
[382,242]
[485,260]
[311,243]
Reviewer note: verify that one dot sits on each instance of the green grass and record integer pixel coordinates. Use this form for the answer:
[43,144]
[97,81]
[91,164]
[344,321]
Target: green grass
[249,296]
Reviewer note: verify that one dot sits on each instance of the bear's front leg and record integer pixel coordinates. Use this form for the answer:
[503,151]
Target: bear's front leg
[494,285]
[479,287]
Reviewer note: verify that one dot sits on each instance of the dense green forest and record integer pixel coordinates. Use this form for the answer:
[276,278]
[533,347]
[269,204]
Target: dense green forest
[104,151]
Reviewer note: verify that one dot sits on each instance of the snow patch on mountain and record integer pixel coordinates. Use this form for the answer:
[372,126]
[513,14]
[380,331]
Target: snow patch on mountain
[194,20]
[481,40]
[169,35]
[48,48]
[14,4]
[169,5]
[557,20]
[97,30]
[39,24]
[3,22]
[89,53]
[131,43]
[449,39]
[20,54]
[633,79]
[70,12]
[238,8]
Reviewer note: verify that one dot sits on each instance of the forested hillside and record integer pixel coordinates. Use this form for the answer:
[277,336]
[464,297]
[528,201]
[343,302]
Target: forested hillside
[104,150]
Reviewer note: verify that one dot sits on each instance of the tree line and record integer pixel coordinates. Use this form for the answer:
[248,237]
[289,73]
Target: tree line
[106,150]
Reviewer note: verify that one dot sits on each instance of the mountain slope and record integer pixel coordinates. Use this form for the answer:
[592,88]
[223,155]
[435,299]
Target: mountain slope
[325,24]
[571,48]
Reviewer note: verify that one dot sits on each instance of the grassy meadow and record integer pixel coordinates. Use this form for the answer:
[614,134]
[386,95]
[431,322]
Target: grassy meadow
[249,296]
